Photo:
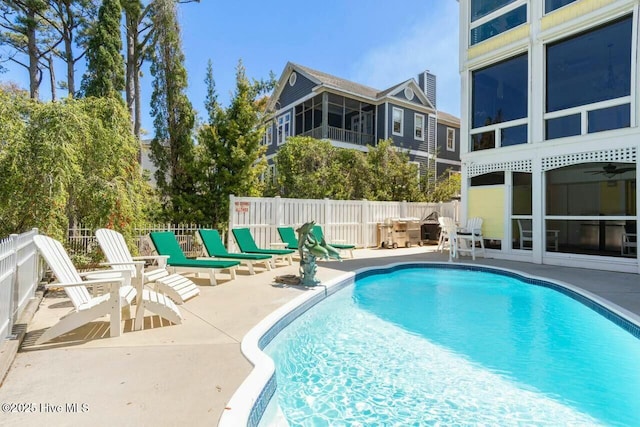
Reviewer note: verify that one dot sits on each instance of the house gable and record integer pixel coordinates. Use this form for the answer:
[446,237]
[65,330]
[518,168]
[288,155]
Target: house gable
[301,87]
[410,92]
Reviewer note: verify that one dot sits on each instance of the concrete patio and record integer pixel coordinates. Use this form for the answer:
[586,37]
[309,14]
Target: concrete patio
[185,374]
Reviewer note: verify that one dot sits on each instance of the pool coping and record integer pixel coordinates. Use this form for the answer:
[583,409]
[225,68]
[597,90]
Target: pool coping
[249,402]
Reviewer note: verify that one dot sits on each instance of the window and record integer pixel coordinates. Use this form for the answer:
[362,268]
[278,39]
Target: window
[451,139]
[271,174]
[499,104]
[408,93]
[551,5]
[418,124]
[521,210]
[589,81]
[591,205]
[292,79]
[417,166]
[268,135]
[491,178]
[492,17]
[480,8]
[398,121]
[499,25]
[284,127]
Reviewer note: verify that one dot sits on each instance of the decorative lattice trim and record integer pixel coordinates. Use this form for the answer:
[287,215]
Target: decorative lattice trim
[624,155]
[476,169]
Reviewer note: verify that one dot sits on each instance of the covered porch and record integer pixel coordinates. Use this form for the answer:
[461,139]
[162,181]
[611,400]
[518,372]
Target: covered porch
[337,118]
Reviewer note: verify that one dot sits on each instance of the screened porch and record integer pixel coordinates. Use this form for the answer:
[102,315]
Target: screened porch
[334,117]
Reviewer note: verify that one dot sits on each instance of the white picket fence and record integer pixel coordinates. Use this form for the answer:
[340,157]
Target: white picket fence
[82,240]
[20,272]
[352,221]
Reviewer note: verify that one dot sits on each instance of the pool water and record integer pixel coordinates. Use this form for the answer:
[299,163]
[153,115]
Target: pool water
[446,346]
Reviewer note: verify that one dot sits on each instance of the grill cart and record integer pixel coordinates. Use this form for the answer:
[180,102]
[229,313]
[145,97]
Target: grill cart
[398,232]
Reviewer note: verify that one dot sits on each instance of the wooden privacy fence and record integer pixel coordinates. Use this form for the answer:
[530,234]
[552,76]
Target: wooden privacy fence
[20,272]
[352,221]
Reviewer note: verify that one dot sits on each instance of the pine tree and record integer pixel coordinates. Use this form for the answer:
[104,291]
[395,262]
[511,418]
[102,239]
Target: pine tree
[105,65]
[24,32]
[172,149]
[233,157]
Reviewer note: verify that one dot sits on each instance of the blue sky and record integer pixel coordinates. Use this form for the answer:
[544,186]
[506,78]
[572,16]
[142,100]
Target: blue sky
[374,42]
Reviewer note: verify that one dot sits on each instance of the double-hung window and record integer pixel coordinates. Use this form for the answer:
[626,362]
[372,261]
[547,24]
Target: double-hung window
[451,139]
[492,17]
[418,125]
[268,135]
[398,121]
[499,104]
[284,127]
[589,81]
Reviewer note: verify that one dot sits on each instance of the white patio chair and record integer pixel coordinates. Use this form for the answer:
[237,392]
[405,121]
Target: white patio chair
[447,225]
[526,235]
[468,237]
[629,243]
[175,286]
[88,308]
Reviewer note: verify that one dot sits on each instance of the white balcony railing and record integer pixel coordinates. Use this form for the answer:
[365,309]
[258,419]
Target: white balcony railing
[342,135]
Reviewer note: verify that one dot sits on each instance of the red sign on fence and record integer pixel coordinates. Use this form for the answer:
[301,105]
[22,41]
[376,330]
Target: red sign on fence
[242,207]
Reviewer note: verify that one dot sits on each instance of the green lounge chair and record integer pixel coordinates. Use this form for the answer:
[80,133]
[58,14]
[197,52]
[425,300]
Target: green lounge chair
[288,236]
[165,243]
[214,248]
[245,242]
[319,235]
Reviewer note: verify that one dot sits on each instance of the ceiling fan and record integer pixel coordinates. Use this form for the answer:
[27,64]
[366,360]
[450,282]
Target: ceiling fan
[610,170]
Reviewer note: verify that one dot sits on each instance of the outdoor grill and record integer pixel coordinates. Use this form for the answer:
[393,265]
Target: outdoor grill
[430,227]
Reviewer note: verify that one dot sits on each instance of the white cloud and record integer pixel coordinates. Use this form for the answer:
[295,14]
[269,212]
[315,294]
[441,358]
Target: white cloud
[430,44]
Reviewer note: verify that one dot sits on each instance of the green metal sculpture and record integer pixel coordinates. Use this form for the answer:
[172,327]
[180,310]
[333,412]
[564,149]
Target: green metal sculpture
[309,250]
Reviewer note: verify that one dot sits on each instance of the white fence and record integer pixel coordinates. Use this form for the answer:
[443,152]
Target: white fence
[352,221]
[82,240]
[20,271]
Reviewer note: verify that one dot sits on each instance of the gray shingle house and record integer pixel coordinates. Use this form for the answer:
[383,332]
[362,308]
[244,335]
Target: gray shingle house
[308,102]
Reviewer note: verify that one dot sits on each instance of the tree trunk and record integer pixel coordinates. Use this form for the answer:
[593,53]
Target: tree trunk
[71,73]
[138,107]
[32,49]
[52,77]
[132,30]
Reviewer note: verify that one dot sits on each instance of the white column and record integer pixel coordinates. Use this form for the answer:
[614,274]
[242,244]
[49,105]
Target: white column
[537,204]
[325,115]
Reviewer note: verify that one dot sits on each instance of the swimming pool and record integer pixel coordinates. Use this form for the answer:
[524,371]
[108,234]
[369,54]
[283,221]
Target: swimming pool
[456,346]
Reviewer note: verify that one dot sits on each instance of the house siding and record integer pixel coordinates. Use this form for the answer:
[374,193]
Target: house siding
[273,148]
[407,141]
[444,167]
[443,153]
[291,94]
[415,99]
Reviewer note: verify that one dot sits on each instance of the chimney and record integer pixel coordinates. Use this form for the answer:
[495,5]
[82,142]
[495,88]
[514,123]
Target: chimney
[427,82]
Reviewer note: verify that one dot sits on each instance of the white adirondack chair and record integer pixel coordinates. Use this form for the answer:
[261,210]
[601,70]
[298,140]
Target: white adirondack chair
[468,238]
[448,237]
[88,308]
[175,286]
